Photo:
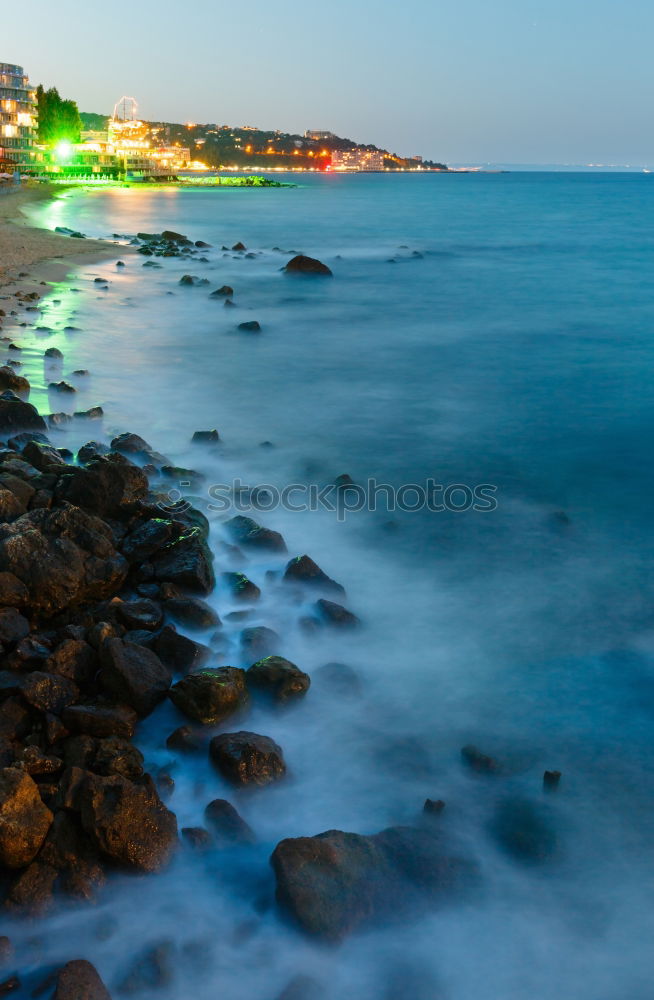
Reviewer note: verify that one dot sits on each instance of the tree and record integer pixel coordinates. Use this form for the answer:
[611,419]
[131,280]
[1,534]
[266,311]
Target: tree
[58,119]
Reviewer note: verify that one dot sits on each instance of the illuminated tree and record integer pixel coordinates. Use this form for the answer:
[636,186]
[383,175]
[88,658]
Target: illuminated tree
[58,119]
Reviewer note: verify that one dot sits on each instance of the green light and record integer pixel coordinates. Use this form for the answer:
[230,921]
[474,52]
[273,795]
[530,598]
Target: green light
[64,151]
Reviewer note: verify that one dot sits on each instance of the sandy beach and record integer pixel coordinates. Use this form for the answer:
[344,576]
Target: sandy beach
[23,246]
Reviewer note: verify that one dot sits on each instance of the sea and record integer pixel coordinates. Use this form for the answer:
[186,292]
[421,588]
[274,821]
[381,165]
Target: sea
[484,335]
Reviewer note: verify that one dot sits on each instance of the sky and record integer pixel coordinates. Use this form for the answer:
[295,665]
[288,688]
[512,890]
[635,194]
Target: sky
[515,81]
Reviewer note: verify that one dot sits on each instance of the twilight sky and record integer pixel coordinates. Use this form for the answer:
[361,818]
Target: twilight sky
[522,81]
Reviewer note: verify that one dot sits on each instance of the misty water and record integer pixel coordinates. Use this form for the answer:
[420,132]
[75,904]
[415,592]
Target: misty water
[479,329]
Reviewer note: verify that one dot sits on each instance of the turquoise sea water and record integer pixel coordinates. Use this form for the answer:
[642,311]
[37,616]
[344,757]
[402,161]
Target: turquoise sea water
[479,329]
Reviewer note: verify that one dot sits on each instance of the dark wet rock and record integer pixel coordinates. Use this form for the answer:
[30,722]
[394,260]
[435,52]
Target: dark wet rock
[79,980]
[336,882]
[147,538]
[196,837]
[74,659]
[336,614]
[250,326]
[240,587]
[62,556]
[523,829]
[48,692]
[31,893]
[223,292]
[300,264]
[433,807]
[247,758]
[16,383]
[62,386]
[11,507]
[101,719]
[10,985]
[239,246]
[108,486]
[551,780]
[179,653]
[187,561]
[480,762]
[53,353]
[340,678]
[127,821]
[165,784]
[304,570]
[91,450]
[133,675]
[13,626]
[34,761]
[246,531]
[18,441]
[211,695]
[143,614]
[278,678]
[192,611]
[259,641]
[43,457]
[192,280]
[173,237]
[111,755]
[12,591]
[228,827]
[18,415]
[186,739]
[24,819]
[93,413]
[131,444]
[6,950]
[206,437]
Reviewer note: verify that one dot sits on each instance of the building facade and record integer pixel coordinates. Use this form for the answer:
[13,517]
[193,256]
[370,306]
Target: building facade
[357,159]
[18,120]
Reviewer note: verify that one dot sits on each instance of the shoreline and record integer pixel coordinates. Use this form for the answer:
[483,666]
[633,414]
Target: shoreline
[24,246]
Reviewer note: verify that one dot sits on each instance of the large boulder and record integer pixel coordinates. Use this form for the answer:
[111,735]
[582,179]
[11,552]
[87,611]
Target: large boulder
[109,486]
[246,531]
[211,695]
[247,758]
[335,882]
[79,980]
[9,379]
[278,678]
[227,826]
[126,820]
[301,264]
[101,719]
[62,556]
[187,562]
[18,415]
[24,819]
[133,674]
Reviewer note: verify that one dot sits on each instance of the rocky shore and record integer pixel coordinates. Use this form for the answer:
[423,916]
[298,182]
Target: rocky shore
[100,582]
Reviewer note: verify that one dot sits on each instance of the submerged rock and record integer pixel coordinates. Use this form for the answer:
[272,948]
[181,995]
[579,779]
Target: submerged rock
[211,695]
[278,678]
[79,980]
[304,570]
[336,882]
[247,758]
[227,825]
[300,264]
[336,614]
[241,588]
[246,531]
[259,641]
[524,830]
[250,326]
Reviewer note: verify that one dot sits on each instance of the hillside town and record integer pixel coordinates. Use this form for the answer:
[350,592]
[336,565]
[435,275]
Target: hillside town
[43,135]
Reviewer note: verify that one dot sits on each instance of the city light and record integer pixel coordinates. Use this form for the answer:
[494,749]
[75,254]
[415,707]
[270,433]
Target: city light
[64,151]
